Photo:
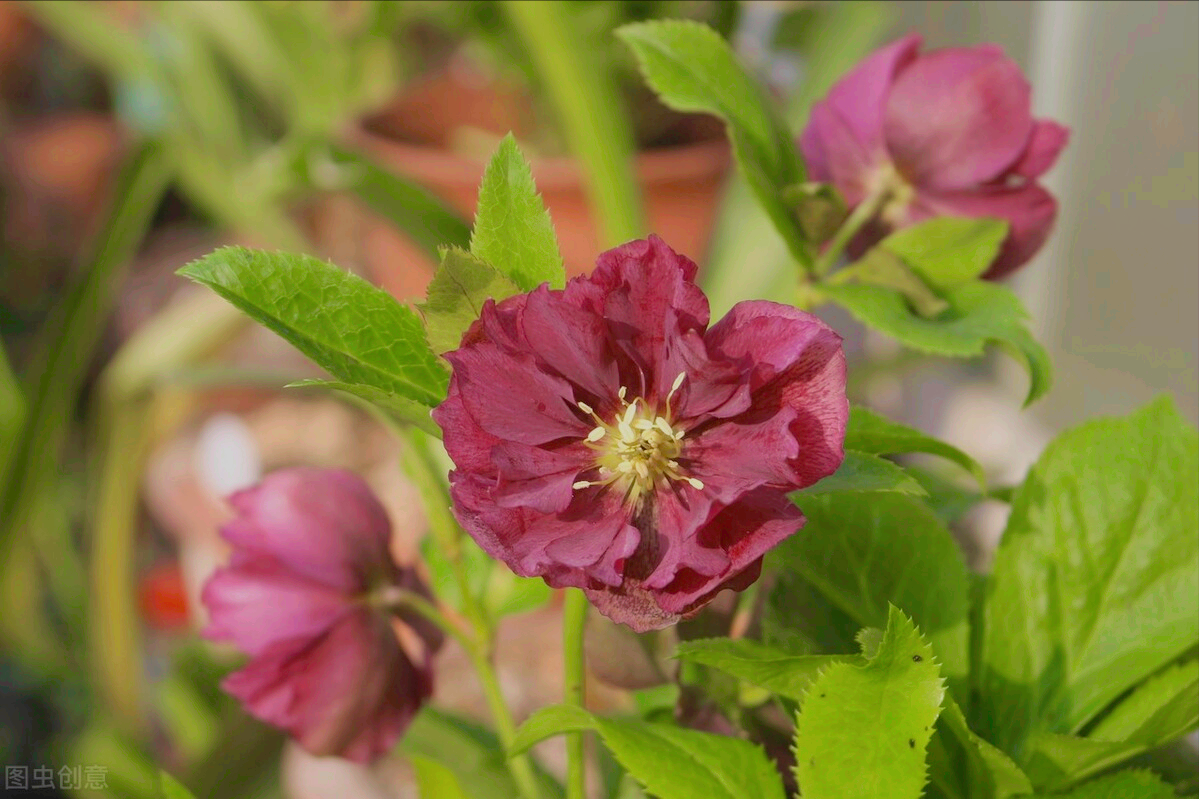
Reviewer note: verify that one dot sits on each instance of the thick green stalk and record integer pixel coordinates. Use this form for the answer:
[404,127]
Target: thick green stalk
[863,213]
[589,107]
[574,618]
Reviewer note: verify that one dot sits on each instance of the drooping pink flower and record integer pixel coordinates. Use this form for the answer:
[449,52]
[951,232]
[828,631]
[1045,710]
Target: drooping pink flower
[606,438]
[946,133]
[305,594]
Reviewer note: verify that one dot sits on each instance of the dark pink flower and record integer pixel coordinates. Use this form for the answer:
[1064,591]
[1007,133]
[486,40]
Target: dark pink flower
[946,133]
[606,438]
[305,595]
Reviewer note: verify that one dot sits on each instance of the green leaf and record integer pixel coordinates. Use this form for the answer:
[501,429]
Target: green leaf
[882,268]
[949,500]
[869,432]
[399,408]
[171,788]
[863,472]
[1161,709]
[979,313]
[948,251]
[671,762]
[435,781]
[773,669]
[456,296]
[694,70]
[987,772]
[411,208]
[1125,785]
[471,753]
[862,730]
[512,229]
[1096,582]
[892,550]
[356,331]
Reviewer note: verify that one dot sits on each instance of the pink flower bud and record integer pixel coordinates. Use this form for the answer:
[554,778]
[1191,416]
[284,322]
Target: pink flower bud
[305,595]
[946,133]
[606,438]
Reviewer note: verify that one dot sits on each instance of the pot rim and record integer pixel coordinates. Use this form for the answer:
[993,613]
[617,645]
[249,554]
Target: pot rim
[431,164]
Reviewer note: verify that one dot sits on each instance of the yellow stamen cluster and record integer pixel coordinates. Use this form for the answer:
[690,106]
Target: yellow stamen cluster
[639,448]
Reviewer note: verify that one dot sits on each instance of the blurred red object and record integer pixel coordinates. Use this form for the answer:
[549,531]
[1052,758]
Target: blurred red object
[162,597]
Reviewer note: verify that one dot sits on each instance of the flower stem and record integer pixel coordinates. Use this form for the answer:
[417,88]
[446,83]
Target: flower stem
[863,213]
[574,616]
[421,465]
[519,766]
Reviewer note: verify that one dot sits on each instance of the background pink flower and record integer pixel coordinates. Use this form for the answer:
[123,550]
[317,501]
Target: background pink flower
[606,438]
[946,133]
[304,595]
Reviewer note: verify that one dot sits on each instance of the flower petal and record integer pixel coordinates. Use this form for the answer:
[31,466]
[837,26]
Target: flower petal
[257,602]
[1044,146]
[511,398]
[1029,210]
[745,531]
[324,524]
[350,693]
[571,341]
[649,298]
[798,364]
[958,117]
[845,131]
[536,477]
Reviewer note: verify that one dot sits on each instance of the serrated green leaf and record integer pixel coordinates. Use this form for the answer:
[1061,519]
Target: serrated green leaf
[400,408]
[979,313]
[874,434]
[435,781]
[1125,785]
[1161,709]
[171,788]
[356,331]
[863,472]
[985,771]
[948,251]
[513,231]
[671,762]
[472,753]
[865,556]
[693,69]
[1096,582]
[862,730]
[456,296]
[773,669]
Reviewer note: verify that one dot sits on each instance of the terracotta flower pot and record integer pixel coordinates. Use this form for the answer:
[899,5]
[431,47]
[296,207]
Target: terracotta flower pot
[680,183]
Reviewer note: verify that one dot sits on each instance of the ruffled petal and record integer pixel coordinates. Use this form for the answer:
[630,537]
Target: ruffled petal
[1046,143]
[744,532]
[958,117]
[796,363]
[1029,210]
[324,524]
[512,399]
[571,341]
[536,477]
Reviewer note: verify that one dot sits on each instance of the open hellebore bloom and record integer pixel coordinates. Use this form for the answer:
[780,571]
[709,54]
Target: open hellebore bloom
[306,595]
[606,438]
[946,133]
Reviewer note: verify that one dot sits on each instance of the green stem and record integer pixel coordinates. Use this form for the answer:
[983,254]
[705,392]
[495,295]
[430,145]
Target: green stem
[574,617]
[865,211]
[421,465]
